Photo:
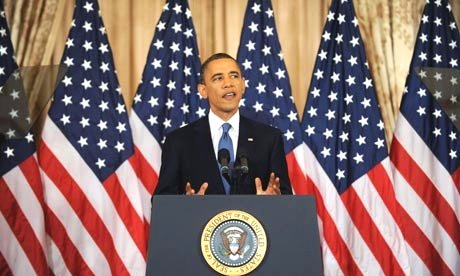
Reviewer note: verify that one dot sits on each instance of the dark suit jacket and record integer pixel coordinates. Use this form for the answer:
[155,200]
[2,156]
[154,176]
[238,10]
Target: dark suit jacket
[188,156]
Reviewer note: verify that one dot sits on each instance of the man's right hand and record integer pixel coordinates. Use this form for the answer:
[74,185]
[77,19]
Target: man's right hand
[190,191]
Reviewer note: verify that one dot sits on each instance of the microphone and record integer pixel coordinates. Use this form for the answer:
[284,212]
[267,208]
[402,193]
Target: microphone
[244,168]
[224,159]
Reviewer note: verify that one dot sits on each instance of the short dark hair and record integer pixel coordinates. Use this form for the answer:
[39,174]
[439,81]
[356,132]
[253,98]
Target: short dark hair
[216,57]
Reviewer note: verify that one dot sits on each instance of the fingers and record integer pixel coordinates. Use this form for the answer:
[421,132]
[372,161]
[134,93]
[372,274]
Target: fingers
[203,188]
[188,189]
[259,190]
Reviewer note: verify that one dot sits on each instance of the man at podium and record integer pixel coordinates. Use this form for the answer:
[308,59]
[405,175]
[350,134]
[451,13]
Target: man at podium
[223,152]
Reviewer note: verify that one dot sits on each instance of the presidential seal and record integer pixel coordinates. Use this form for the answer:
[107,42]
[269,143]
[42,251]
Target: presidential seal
[233,243]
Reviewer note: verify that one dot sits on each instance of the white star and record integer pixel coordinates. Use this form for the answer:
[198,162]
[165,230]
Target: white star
[344,136]
[84,103]
[425,19]
[65,119]
[268,31]
[315,92]
[335,77]
[452,136]
[342,155]
[84,122]
[280,73]
[275,111]
[100,163]
[348,99]
[340,174]
[318,74]
[171,85]
[379,143]
[88,7]
[339,38]
[185,108]
[330,114]
[88,45]
[158,44]
[86,83]
[278,92]
[256,8]
[177,27]
[167,123]
[156,63]
[187,71]
[346,118]
[104,86]
[330,16]
[326,36]
[152,120]
[104,106]
[177,8]
[423,37]
[10,133]
[266,50]
[292,116]
[453,99]
[120,146]
[269,13]
[337,58]
[368,83]
[170,103]
[257,106]
[437,131]
[326,152]
[453,44]
[68,61]
[453,80]
[437,58]
[361,140]
[310,130]
[312,111]
[120,108]
[102,125]
[350,80]
[104,67]
[174,47]
[354,41]
[263,69]
[381,125]
[186,89]
[155,82]
[363,121]
[87,26]
[422,56]
[421,111]
[174,65]
[358,158]
[121,127]
[437,113]
[422,74]
[437,21]
[201,112]
[260,88]
[453,154]
[453,62]
[188,33]
[67,81]
[323,54]
[341,18]
[9,152]
[29,137]
[254,27]
[102,144]
[251,46]
[437,40]
[67,100]
[188,51]
[247,64]
[353,60]
[366,103]
[161,26]
[328,133]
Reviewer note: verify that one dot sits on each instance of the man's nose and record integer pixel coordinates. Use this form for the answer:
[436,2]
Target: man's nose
[228,82]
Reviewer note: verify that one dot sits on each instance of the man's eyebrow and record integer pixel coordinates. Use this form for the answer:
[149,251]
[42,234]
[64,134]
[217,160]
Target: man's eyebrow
[216,74]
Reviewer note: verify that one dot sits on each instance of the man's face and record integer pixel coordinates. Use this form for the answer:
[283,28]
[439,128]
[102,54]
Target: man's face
[223,87]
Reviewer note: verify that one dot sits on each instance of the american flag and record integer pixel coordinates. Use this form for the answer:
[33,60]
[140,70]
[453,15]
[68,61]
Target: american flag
[347,162]
[425,151]
[167,97]
[87,159]
[268,92]
[22,220]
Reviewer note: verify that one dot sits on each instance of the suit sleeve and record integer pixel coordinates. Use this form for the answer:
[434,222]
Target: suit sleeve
[169,178]
[279,165]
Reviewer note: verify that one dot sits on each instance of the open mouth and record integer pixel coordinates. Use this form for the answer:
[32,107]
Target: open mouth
[229,95]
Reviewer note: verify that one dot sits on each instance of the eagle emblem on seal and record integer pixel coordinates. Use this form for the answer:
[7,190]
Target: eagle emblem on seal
[233,243]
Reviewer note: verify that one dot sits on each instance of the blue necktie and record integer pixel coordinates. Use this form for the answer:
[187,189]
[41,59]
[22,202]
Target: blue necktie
[225,142]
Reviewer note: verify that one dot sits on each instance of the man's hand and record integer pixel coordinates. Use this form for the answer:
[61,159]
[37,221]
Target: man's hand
[190,191]
[273,187]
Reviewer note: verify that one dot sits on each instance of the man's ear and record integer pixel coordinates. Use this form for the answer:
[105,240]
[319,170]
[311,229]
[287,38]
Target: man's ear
[202,90]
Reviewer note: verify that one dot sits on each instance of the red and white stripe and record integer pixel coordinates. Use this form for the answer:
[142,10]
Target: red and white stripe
[97,227]
[358,231]
[429,198]
[148,154]
[22,222]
